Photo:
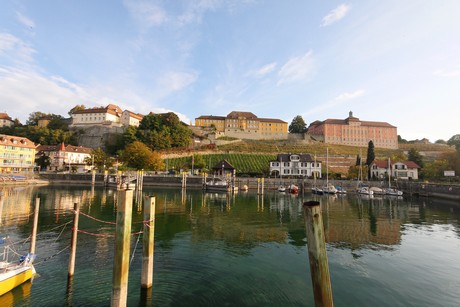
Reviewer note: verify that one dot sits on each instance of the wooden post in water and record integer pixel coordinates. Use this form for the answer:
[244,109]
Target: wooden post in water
[148,242]
[35,226]
[93,177]
[122,247]
[317,254]
[73,243]
[263,184]
[258,186]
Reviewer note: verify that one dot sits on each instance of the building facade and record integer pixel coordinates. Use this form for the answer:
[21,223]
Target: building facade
[17,154]
[64,158]
[245,125]
[110,115]
[407,170]
[295,165]
[5,120]
[354,132]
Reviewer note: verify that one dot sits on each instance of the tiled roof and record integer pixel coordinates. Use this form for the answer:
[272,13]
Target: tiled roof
[5,116]
[135,115]
[384,164]
[272,120]
[226,164]
[111,109]
[68,148]
[10,140]
[363,123]
[237,114]
[211,117]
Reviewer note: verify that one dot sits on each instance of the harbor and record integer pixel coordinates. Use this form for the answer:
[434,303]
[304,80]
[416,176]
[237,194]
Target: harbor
[238,248]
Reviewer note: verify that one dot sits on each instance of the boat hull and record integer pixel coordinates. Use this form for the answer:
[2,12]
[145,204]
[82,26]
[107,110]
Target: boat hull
[15,277]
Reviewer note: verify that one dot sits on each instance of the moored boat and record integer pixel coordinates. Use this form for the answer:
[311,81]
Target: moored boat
[13,274]
[293,189]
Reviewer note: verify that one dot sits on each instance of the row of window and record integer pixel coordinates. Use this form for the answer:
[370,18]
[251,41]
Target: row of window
[301,164]
[15,162]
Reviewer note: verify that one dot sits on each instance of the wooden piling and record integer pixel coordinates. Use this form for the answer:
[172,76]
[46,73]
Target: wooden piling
[122,248]
[93,177]
[258,186]
[263,184]
[73,243]
[35,226]
[148,242]
[317,254]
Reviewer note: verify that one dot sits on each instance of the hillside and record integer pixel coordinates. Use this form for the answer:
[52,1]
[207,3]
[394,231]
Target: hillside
[250,156]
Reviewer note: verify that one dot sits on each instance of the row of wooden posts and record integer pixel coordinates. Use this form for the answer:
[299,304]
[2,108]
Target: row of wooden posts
[122,246]
[314,232]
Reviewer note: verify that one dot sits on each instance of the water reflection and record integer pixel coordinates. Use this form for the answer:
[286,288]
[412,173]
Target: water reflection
[252,247]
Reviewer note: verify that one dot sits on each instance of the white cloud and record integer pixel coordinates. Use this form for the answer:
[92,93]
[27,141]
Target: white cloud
[148,14]
[175,81]
[335,15]
[262,71]
[25,20]
[298,68]
[348,96]
[448,73]
[15,49]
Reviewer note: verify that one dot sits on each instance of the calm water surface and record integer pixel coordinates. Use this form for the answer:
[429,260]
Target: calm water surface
[242,250]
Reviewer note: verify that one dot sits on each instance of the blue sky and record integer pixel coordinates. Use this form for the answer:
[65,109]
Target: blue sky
[390,61]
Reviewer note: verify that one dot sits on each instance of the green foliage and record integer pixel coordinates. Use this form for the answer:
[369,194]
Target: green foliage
[370,153]
[163,131]
[43,161]
[100,159]
[455,141]
[434,169]
[243,163]
[415,156]
[78,107]
[298,125]
[138,156]
[34,117]
[227,138]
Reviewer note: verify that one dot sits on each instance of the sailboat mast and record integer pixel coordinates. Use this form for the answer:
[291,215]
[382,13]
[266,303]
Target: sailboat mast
[327,166]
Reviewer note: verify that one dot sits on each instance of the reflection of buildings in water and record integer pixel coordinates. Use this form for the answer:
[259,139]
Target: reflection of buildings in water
[362,223]
[15,205]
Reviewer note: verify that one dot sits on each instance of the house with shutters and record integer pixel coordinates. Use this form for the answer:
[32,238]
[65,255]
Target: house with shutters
[407,170]
[302,165]
[64,158]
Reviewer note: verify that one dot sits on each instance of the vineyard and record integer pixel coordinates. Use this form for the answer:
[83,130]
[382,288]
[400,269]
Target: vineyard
[244,163]
[251,157]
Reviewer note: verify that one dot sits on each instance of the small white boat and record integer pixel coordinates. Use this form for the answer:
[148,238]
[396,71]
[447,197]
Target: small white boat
[281,188]
[365,191]
[377,190]
[217,185]
[393,192]
[317,191]
[329,189]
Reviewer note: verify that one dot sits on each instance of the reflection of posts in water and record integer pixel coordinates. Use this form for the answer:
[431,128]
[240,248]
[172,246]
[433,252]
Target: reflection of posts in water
[148,242]
[73,243]
[317,254]
[93,177]
[34,228]
[122,249]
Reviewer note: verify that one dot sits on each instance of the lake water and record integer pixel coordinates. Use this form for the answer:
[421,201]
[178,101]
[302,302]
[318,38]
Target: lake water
[241,250]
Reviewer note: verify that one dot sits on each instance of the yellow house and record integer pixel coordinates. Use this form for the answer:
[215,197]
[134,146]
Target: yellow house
[17,154]
[245,125]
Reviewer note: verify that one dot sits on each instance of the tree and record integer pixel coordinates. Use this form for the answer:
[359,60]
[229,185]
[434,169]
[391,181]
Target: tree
[34,117]
[298,125]
[163,131]
[415,156]
[455,141]
[100,159]
[440,141]
[358,160]
[78,107]
[370,153]
[138,156]
[401,140]
[43,161]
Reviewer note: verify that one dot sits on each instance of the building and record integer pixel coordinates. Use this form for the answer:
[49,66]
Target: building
[295,165]
[110,115]
[66,158]
[17,154]
[245,125]
[398,170]
[5,120]
[354,132]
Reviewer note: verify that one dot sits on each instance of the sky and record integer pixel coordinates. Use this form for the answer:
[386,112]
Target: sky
[391,61]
